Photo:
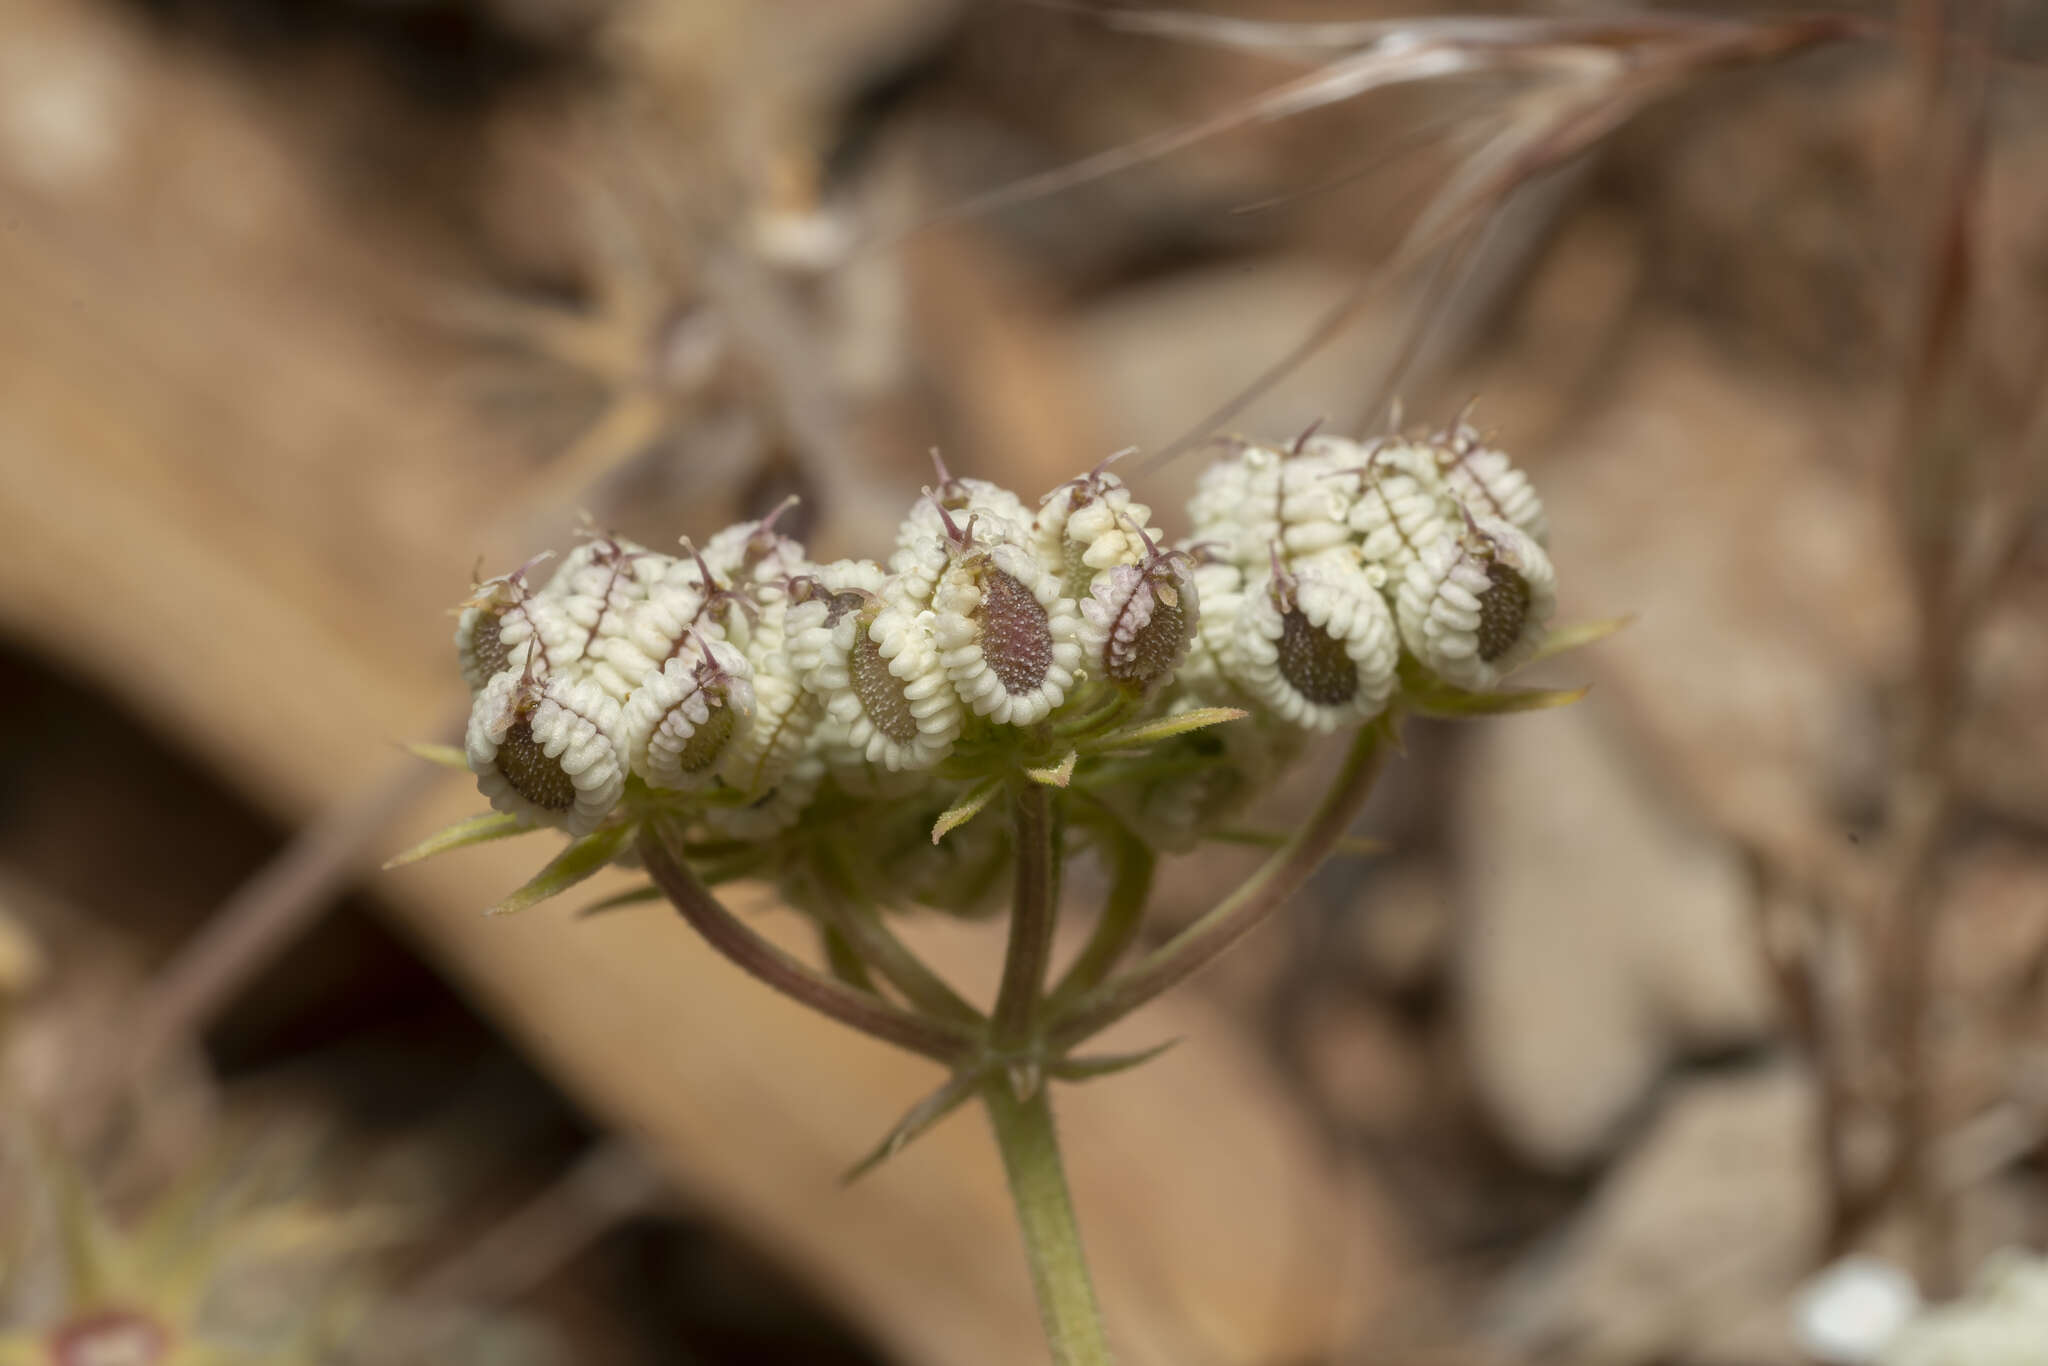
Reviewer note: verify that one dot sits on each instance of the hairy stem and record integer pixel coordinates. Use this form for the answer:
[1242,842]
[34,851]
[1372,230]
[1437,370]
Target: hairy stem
[1032,916]
[795,979]
[1244,910]
[1045,1215]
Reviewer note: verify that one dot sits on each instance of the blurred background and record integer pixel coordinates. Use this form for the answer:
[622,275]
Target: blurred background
[1655,1007]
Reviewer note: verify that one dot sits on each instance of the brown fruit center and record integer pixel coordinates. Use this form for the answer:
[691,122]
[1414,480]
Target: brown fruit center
[1155,648]
[489,645]
[1503,611]
[1315,662]
[1016,638]
[707,742]
[531,772]
[881,695]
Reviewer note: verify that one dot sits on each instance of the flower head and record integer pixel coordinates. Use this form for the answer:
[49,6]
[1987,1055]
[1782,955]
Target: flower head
[590,606]
[748,688]
[945,520]
[961,498]
[688,601]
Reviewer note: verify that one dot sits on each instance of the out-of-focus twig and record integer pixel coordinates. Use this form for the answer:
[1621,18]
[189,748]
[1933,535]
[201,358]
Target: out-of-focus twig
[610,1183]
[268,912]
[1586,81]
[1934,511]
[1795,929]
[1476,30]
[1407,51]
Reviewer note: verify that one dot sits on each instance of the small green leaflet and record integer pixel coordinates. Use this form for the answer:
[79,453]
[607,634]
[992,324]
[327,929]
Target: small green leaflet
[575,863]
[969,807]
[1059,775]
[1448,703]
[1577,636]
[1350,846]
[491,825]
[1108,1064]
[921,1117]
[447,756]
[1165,728]
[632,896]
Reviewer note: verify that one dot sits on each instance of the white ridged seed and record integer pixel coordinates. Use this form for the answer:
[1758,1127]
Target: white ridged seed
[1399,506]
[875,669]
[1140,620]
[1086,527]
[1474,606]
[1008,641]
[1317,646]
[682,719]
[546,749]
[1487,482]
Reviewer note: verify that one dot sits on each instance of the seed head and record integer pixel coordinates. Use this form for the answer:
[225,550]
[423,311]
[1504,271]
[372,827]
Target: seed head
[1399,506]
[875,670]
[1474,606]
[770,766]
[545,747]
[1139,621]
[1487,482]
[1316,645]
[1008,641]
[755,552]
[681,720]
[1088,526]
[948,506]
[500,620]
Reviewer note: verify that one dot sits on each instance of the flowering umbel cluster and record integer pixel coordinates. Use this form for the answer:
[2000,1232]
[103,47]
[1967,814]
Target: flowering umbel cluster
[826,723]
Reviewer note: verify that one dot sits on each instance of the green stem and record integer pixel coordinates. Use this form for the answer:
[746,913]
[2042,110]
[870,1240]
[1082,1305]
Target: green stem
[791,976]
[1032,917]
[1261,894]
[844,960]
[1130,887]
[857,922]
[1045,1214]
[1101,718]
